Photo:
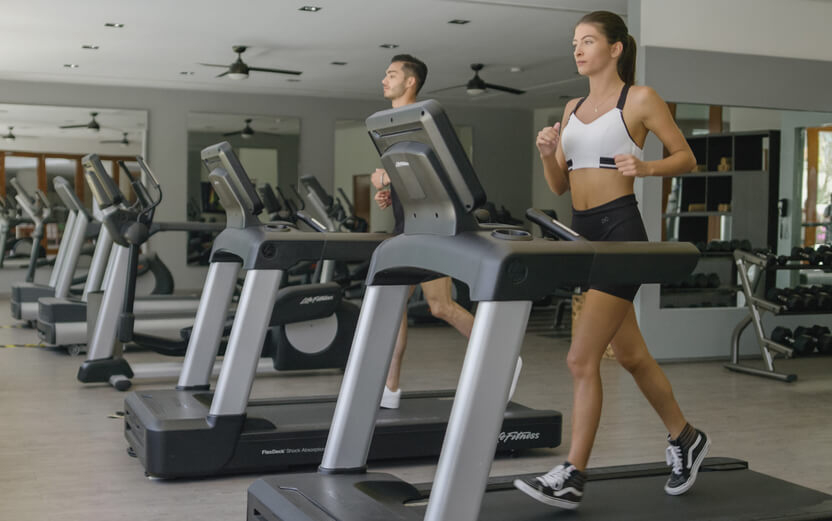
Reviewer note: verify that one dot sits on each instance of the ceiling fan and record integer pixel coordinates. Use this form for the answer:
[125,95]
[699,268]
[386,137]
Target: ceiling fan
[247,132]
[10,136]
[92,126]
[123,141]
[239,69]
[477,85]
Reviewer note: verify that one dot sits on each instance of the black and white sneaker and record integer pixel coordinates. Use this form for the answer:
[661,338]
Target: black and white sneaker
[685,455]
[563,486]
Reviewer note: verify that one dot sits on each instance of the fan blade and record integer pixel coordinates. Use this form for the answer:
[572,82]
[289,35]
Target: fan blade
[504,89]
[213,65]
[84,125]
[448,88]
[221,75]
[235,133]
[112,141]
[279,71]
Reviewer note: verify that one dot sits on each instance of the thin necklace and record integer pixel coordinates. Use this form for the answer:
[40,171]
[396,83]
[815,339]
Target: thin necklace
[602,101]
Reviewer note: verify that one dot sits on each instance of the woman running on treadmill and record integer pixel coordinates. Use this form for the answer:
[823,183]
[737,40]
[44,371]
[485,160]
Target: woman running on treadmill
[402,81]
[597,156]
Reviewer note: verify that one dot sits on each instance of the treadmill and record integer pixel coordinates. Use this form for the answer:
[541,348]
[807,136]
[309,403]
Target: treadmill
[190,431]
[506,272]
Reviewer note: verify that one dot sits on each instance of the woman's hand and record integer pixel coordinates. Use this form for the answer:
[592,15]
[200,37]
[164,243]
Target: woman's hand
[632,166]
[548,139]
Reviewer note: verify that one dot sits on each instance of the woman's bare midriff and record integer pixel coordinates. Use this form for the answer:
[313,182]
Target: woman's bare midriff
[593,187]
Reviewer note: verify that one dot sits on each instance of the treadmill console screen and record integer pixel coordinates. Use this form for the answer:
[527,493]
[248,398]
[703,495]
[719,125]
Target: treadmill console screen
[427,165]
[311,183]
[104,189]
[222,156]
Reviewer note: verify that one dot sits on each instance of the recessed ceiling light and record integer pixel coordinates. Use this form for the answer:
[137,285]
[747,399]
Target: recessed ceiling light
[459,21]
[114,24]
[90,47]
[71,65]
[293,80]
[388,45]
[310,8]
[187,73]
[515,69]
[337,63]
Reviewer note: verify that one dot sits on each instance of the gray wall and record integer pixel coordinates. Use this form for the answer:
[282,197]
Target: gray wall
[501,138]
[715,78]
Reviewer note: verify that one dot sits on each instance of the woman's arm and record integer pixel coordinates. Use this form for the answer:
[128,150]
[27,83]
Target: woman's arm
[551,153]
[652,111]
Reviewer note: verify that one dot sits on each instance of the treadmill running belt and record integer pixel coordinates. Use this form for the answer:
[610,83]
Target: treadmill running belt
[726,490]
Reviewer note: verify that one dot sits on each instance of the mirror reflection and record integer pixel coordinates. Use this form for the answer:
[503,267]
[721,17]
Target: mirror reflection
[762,176]
[269,149]
[41,143]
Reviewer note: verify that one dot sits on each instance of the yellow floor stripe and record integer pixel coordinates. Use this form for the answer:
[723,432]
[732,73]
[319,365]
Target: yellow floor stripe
[22,345]
[14,326]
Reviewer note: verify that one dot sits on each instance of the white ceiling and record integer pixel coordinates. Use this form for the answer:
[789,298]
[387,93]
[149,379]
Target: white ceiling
[162,38]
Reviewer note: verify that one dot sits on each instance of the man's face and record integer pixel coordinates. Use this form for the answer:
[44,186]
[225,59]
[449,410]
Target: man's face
[395,81]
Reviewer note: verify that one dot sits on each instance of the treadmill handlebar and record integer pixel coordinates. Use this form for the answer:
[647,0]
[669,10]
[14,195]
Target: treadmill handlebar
[554,226]
[311,221]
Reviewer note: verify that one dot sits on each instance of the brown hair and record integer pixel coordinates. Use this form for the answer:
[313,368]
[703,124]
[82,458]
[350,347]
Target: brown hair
[413,67]
[613,27]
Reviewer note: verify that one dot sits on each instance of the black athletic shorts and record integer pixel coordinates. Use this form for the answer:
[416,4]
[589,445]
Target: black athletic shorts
[617,220]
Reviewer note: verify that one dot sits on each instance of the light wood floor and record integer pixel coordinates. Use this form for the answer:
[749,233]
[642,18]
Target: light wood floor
[62,453]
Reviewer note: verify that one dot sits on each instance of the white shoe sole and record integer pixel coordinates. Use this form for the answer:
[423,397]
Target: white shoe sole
[684,487]
[543,498]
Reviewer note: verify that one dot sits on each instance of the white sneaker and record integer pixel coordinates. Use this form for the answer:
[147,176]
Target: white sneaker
[390,399]
[517,369]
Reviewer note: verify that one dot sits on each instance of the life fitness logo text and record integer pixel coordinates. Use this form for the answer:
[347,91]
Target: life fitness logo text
[316,299]
[518,436]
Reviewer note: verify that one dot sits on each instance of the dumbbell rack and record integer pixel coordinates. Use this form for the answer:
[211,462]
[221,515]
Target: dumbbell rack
[756,306]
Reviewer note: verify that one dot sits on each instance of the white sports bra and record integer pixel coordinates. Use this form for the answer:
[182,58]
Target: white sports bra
[595,144]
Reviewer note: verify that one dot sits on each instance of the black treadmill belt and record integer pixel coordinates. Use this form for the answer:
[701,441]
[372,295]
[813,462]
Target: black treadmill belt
[742,495]
[724,491]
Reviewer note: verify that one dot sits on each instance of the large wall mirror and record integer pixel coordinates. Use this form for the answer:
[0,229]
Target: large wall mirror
[763,179]
[356,158]
[269,150]
[39,143]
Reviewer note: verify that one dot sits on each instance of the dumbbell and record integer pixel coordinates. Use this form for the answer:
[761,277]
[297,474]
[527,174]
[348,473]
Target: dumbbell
[807,254]
[713,280]
[824,253]
[784,297]
[741,244]
[807,339]
[823,298]
[800,342]
[783,336]
[769,258]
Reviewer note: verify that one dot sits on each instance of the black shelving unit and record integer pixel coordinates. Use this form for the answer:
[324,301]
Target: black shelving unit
[741,203]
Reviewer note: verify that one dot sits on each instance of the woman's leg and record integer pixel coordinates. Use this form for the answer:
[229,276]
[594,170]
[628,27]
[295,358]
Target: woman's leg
[631,352]
[600,319]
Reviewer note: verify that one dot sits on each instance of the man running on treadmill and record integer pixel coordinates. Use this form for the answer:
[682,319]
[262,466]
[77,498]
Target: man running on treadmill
[402,81]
